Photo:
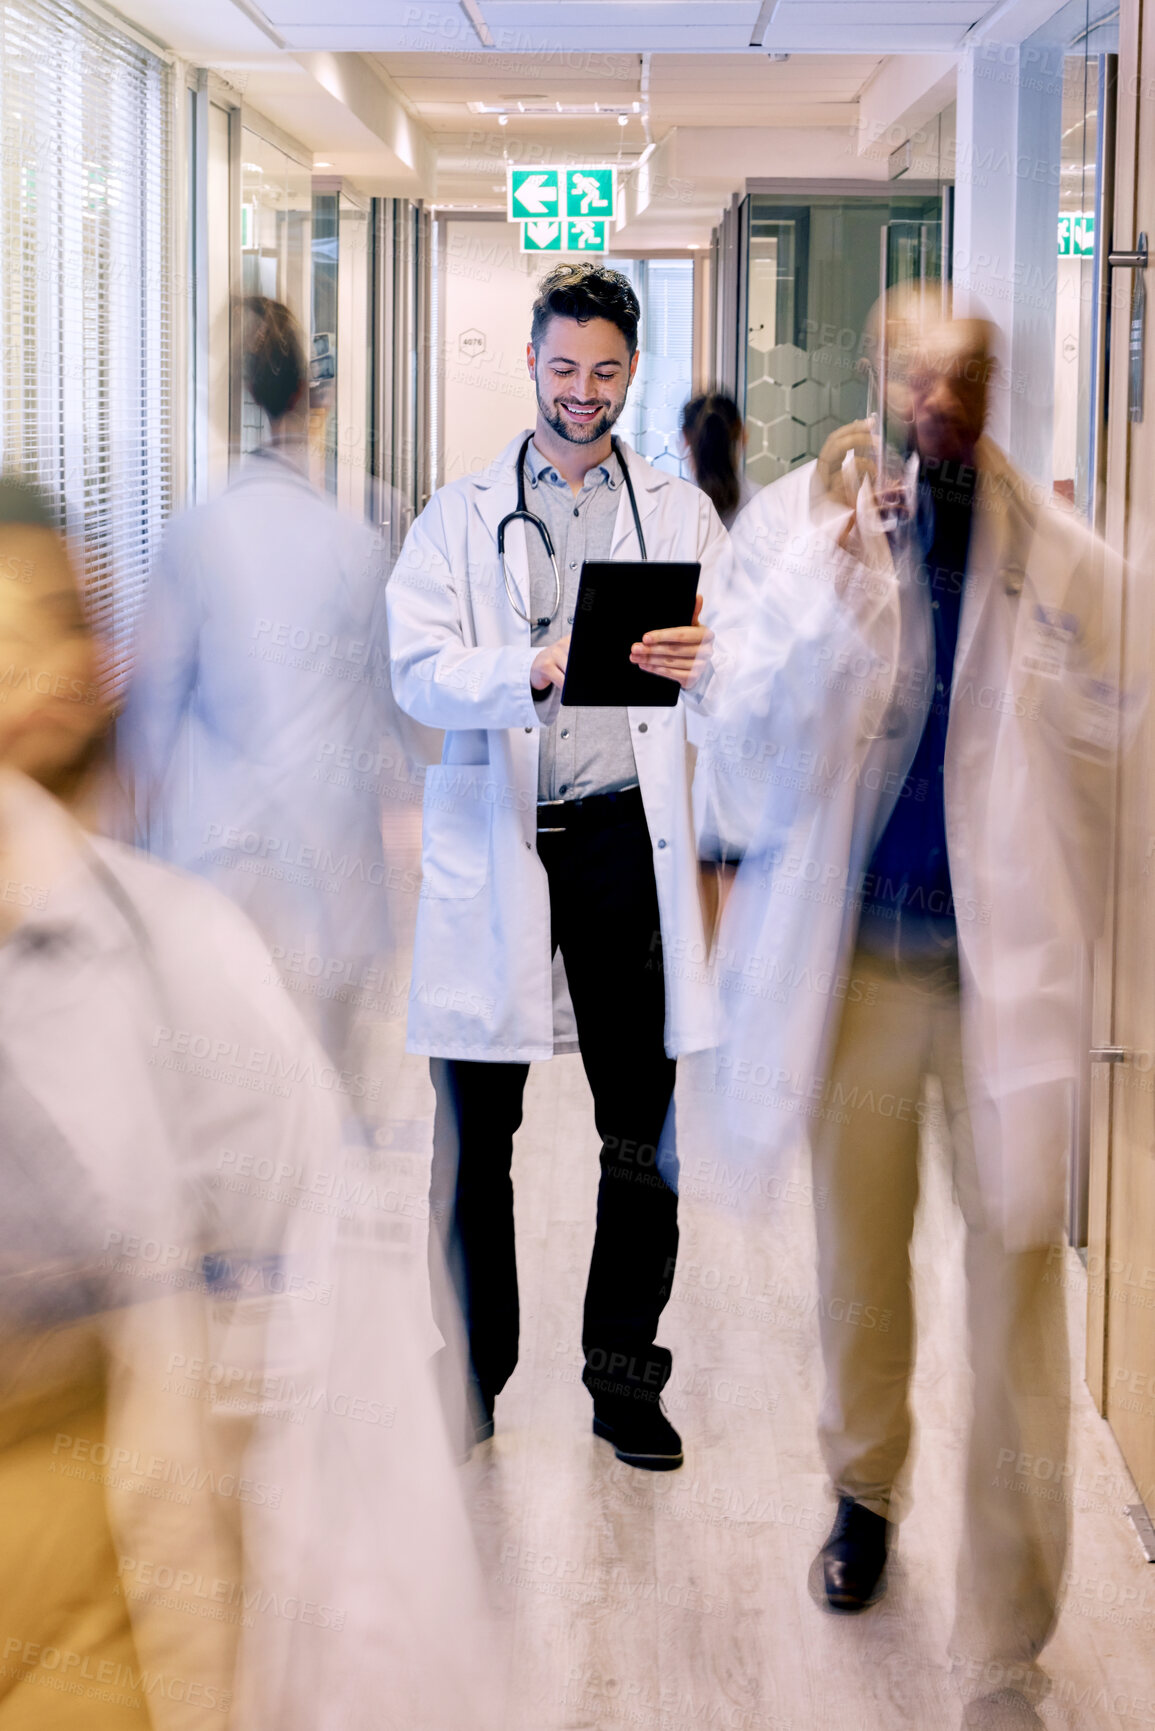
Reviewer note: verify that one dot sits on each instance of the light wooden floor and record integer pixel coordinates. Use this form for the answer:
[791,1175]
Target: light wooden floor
[680,1602]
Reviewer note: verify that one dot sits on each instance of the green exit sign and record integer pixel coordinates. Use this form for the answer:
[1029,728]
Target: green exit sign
[575,234]
[554,193]
[1077,234]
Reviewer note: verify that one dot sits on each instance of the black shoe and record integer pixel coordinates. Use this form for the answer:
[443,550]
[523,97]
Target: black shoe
[468,1410]
[482,1432]
[640,1434]
[854,1557]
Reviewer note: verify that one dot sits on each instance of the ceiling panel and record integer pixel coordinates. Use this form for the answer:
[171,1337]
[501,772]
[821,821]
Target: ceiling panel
[703,89]
[341,12]
[887,26]
[834,27]
[816,74]
[622,14]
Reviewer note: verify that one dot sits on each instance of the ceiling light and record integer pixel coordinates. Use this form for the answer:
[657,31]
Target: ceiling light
[623,120]
[503,120]
[545,107]
[322,165]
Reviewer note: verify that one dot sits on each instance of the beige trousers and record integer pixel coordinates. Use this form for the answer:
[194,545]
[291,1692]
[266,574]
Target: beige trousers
[1015,1522]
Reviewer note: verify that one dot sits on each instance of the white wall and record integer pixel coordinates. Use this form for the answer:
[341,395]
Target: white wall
[486,393]
[1006,218]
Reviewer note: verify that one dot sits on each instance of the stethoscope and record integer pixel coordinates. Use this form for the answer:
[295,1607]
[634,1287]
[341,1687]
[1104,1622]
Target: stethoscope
[524,515]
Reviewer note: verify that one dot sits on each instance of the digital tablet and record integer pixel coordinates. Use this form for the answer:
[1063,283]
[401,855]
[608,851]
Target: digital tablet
[617,603]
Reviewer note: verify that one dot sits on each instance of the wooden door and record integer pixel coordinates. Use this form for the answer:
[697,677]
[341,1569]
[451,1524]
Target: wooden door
[1121,1251]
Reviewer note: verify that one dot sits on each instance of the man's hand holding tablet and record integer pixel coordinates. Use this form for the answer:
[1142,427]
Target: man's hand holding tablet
[681,652]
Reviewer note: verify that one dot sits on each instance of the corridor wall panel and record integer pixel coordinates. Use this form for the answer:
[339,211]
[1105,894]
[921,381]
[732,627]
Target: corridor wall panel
[87,291]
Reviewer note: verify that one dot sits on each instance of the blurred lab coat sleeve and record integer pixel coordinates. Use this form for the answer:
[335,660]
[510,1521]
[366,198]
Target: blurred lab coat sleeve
[439,677]
[164,674]
[809,624]
[419,743]
[722,609]
[1088,714]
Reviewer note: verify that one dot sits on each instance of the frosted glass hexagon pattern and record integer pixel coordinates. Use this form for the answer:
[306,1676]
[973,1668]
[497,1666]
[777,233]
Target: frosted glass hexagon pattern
[786,364]
[831,366]
[766,468]
[848,401]
[765,401]
[794,401]
[786,438]
[808,402]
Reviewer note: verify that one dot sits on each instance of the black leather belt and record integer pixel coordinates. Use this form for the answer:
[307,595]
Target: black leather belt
[555,816]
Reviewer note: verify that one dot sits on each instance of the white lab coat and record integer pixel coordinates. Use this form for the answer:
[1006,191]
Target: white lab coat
[825,716]
[175,1190]
[461,655]
[261,729]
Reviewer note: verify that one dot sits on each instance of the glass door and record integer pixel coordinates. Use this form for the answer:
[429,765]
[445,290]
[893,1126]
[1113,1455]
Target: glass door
[814,270]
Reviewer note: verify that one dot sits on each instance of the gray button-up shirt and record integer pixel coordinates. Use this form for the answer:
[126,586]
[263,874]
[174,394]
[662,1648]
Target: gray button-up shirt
[586,750]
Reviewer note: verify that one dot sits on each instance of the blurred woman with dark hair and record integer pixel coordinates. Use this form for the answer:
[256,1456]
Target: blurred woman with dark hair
[261,731]
[715,438]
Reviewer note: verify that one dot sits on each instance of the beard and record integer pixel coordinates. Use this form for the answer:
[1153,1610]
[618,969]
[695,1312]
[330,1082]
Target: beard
[596,429]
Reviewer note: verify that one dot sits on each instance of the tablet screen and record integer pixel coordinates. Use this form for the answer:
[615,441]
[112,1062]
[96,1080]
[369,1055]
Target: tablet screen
[618,601]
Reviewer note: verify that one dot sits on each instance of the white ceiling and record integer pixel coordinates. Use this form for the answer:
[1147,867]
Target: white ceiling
[863,26]
[674,90]
[388,90]
[608,26]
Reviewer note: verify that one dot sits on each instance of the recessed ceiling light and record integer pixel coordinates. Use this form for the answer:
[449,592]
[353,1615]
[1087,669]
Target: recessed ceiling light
[503,120]
[322,165]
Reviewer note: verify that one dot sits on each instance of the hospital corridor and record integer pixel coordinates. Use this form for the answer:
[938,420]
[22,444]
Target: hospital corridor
[577,920]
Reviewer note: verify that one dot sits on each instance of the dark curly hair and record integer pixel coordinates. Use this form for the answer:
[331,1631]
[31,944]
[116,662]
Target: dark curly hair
[584,292]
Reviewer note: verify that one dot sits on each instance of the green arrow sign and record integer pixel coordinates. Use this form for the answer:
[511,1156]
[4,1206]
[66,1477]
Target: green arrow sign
[535,192]
[543,234]
[557,191]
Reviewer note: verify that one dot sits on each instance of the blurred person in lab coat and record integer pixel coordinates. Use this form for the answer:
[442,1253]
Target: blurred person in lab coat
[929,715]
[261,730]
[227,1494]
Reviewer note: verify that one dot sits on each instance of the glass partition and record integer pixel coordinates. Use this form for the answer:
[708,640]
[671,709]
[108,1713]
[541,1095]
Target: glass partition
[651,420]
[1089,35]
[814,269]
[276,216]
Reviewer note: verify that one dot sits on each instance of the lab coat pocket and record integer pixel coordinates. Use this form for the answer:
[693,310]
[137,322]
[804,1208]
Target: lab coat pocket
[457,819]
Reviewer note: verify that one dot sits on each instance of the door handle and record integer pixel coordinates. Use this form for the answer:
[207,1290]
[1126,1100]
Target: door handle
[1109,1054]
[1130,260]
[1137,338]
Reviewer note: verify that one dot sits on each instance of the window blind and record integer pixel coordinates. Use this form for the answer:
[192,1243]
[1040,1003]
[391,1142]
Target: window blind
[85,292]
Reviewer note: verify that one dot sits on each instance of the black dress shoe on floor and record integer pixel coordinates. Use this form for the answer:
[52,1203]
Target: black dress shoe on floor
[640,1434]
[854,1557]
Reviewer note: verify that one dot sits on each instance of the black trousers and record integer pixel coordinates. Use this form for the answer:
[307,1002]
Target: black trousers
[604,918]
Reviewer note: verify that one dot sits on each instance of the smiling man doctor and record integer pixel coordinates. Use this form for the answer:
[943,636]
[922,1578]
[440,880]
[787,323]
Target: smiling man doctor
[552,829]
